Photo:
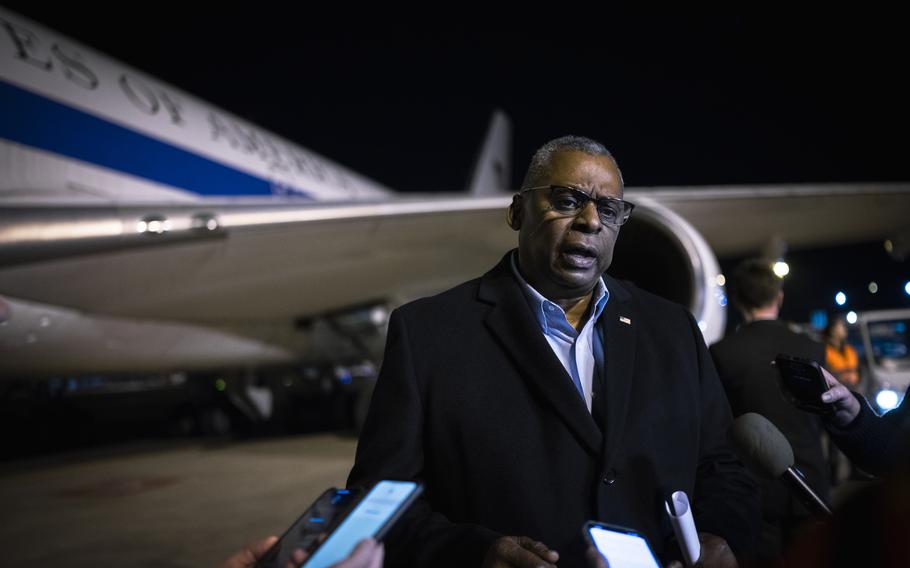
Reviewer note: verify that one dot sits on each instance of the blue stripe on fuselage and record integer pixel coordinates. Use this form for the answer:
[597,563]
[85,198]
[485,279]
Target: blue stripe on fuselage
[33,120]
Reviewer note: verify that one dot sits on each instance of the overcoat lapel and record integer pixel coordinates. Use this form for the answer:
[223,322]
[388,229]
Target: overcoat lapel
[514,326]
[618,324]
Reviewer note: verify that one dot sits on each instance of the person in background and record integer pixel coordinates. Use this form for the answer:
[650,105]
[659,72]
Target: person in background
[841,360]
[840,357]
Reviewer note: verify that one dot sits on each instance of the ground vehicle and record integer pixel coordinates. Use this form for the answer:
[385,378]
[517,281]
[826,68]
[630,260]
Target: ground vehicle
[884,349]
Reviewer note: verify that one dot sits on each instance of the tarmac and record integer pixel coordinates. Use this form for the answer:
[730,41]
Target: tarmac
[170,505]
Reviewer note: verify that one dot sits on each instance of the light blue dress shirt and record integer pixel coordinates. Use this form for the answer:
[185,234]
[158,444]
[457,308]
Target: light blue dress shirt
[574,348]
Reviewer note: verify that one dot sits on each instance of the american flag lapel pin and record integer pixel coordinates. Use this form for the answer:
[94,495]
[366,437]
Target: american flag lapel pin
[625,320]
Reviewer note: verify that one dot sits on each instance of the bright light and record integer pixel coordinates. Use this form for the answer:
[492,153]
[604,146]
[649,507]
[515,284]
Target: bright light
[378,315]
[886,399]
[907,287]
[851,317]
[720,280]
[873,287]
[841,298]
[702,325]
[141,227]
[781,268]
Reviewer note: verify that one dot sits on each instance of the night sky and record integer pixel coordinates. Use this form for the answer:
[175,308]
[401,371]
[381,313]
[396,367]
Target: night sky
[680,99]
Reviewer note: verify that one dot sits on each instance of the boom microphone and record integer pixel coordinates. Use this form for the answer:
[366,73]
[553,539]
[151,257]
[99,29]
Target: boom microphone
[768,453]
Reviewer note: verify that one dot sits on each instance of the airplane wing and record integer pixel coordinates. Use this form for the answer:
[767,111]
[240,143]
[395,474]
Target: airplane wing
[253,263]
[265,261]
[263,286]
[741,220]
[230,283]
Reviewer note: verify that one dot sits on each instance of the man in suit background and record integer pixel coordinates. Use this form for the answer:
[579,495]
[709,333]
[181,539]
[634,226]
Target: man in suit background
[542,395]
[743,362]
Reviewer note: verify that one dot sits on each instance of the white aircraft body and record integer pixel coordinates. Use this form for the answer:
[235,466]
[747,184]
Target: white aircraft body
[143,230]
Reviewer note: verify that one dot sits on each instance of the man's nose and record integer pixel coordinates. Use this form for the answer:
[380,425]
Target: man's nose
[588,218]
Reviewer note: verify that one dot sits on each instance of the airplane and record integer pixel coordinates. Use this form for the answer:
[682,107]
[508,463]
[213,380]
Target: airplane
[143,230]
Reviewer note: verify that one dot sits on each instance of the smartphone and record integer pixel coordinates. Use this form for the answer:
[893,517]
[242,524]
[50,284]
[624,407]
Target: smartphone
[804,382]
[372,517]
[307,531]
[622,547]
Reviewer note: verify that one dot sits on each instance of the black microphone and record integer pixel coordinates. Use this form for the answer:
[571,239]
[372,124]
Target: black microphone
[768,453]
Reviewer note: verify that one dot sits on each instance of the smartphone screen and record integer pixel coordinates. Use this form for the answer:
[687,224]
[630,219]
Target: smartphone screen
[381,505]
[623,548]
[306,532]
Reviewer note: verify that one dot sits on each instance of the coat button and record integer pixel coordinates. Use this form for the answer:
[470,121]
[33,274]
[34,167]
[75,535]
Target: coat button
[610,477]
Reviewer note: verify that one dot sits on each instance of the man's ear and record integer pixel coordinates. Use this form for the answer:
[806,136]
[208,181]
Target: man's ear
[513,215]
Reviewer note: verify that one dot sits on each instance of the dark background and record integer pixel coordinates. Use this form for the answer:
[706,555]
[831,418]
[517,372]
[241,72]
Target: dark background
[680,98]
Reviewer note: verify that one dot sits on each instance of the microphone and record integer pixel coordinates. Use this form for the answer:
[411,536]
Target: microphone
[768,453]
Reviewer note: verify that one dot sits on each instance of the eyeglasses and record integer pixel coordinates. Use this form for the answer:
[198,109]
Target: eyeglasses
[570,201]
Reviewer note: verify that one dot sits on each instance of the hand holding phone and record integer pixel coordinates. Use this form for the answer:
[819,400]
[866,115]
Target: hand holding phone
[372,517]
[309,529]
[621,546]
[804,382]
[846,406]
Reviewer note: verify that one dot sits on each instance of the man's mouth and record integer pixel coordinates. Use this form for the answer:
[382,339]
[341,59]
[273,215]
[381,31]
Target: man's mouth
[579,256]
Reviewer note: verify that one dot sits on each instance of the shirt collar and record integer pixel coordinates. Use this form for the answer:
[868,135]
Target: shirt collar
[550,314]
